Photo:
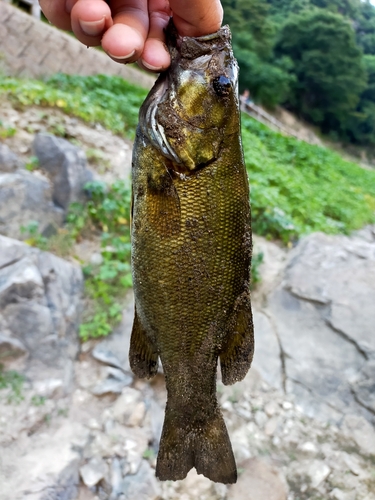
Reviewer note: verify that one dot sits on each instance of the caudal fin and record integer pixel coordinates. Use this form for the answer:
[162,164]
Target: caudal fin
[205,446]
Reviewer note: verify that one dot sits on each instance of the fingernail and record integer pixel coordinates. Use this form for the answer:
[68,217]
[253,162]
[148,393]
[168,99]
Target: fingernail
[150,67]
[92,28]
[122,58]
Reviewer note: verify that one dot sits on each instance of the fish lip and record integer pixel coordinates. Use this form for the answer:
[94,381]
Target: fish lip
[150,125]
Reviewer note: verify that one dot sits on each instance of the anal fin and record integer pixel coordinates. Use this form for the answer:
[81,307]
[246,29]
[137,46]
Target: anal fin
[238,350]
[142,354]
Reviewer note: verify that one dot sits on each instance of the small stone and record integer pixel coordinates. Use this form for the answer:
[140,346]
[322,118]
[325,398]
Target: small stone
[49,388]
[106,356]
[353,464]
[271,426]
[125,404]
[271,408]
[137,415]
[317,471]
[9,161]
[143,485]
[308,447]
[260,418]
[96,259]
[287,405]
[93,471]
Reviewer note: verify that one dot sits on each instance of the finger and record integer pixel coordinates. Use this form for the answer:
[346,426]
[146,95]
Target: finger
[57,13]
[197,17]
[155,56]
[124,41]
[90,19]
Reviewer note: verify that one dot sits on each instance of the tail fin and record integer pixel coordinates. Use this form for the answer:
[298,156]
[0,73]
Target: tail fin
[205,446]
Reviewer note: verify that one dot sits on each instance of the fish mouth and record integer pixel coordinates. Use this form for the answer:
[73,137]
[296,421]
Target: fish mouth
[149,123]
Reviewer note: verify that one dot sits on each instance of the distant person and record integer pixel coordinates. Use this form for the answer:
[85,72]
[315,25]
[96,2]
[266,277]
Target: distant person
[246,97]
[133,30]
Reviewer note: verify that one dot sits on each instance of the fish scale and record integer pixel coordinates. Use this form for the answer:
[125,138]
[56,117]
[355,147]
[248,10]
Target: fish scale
[191,251]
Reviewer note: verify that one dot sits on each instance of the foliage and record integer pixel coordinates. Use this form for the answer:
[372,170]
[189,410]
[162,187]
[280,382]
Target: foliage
[107,212]
[256,261]
[298,188]
[6,131]
[328,66]
[13,381]
[111,101]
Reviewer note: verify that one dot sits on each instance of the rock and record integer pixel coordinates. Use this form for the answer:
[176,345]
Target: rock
[125,405]
[93,472]
[52,468]
[9,161]
[317,472]
[40,310]
[258,481]
[26,198]
[11,348]
[359,430]
[141,486]
[114,382]
[364,386]
[114,350]
[66,166]
[322,316]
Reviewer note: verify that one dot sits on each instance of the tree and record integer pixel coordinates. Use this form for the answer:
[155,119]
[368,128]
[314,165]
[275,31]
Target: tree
[330,74]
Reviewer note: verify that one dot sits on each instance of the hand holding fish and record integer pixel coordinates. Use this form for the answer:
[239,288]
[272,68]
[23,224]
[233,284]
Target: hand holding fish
[133,30]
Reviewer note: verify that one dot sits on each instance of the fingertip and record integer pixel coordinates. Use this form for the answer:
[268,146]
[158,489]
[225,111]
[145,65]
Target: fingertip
[123,43]
[155,56]
[90,19]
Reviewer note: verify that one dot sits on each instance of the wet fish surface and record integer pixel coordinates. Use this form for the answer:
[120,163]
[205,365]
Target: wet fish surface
[191,251]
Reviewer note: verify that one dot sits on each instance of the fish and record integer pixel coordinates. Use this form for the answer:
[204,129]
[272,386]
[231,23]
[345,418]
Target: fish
[191,251]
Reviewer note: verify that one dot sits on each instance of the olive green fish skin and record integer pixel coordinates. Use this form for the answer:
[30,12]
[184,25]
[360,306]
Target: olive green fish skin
[191,253]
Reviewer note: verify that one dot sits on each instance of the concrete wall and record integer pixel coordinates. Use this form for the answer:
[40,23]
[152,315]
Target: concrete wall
[32,48]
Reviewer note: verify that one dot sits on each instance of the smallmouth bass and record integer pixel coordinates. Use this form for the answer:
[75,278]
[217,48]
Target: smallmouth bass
[191,251]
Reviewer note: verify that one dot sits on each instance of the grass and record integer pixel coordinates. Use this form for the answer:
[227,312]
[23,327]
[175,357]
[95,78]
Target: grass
[13,381]
[108,100]
[298,188]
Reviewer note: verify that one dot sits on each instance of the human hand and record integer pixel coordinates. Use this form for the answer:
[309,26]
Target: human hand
[133,30]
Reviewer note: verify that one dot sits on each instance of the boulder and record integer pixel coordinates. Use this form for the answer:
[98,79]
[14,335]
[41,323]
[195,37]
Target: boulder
[9,161]
[40,304]
[25,198]
[322,315]
[66,166]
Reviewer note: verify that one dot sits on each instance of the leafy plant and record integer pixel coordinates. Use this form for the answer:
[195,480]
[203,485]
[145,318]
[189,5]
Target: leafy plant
[12,380]
[107,212]
[297,188]
[34,238]
[256,261]
[6,131]
[32,164]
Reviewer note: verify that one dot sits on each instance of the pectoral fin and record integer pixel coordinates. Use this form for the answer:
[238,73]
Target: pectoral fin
[142,354]
[164,206]
[237,353]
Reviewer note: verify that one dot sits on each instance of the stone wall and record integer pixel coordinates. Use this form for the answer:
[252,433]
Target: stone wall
[32,48]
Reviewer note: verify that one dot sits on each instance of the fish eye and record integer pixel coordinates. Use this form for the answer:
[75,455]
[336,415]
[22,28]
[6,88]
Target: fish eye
[221,85]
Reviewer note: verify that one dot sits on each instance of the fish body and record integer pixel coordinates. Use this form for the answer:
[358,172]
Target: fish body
[191,251]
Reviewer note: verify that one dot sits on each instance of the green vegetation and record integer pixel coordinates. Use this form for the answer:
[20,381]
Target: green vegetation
[13,381]
[108,213]
[313,56]
[297,188]
[111,101]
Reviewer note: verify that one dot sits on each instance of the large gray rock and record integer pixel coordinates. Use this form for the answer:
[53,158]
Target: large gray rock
[26,197]
[9,161]
[322,315]
[39,309]
[65,164]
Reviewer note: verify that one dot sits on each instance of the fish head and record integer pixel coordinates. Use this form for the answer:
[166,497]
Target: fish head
[193,106]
